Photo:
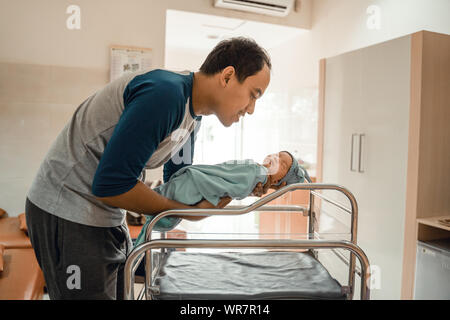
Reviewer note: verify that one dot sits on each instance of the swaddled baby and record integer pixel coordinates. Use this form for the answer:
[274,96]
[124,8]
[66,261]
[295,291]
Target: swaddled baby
[236,179]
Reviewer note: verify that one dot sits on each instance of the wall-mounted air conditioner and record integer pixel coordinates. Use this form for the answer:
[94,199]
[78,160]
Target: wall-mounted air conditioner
[278,8]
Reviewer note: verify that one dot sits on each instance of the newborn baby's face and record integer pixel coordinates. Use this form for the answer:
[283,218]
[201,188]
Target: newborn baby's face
[278,165]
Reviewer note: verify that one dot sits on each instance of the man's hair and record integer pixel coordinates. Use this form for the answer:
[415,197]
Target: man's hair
[244,54]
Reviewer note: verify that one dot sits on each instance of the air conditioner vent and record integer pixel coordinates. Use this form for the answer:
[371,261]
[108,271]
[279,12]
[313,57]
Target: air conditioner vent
[278,8]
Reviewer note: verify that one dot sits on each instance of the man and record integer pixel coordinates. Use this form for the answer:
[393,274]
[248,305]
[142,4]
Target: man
[75,208]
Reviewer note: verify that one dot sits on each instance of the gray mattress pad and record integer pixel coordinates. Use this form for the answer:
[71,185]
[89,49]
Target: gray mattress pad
[244,275]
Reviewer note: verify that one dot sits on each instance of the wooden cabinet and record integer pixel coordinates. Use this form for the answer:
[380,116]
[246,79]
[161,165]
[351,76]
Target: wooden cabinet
[384,133]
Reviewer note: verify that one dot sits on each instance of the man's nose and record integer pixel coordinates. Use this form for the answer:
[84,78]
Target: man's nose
[251,108]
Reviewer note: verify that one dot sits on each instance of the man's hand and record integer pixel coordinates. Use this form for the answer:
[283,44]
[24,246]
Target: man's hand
[260,190]
[279,187]
[205,204]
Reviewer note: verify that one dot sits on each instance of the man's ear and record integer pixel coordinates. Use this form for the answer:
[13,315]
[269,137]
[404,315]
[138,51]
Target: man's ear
[226,75]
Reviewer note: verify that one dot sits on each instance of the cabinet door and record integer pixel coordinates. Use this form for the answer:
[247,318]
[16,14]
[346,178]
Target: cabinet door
[372,100]
[343,120]
[386,96]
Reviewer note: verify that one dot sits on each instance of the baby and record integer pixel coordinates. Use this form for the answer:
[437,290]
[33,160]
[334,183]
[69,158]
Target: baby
[235,179]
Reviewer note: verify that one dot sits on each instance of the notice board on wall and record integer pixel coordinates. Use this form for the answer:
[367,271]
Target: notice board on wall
[126,59]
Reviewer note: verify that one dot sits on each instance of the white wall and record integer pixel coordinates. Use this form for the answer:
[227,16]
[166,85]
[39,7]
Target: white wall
[339,26]
[35,31]
[184,59]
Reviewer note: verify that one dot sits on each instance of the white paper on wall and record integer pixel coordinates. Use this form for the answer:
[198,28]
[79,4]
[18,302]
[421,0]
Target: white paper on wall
[129,59]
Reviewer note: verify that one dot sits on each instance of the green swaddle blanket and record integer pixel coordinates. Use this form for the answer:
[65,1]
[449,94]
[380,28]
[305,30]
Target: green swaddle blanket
[194,183]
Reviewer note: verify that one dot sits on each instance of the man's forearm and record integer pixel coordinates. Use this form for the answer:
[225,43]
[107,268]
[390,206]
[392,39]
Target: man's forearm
[142,199]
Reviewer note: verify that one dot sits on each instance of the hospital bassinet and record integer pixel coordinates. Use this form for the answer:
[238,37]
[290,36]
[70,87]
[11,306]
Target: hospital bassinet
[269,274]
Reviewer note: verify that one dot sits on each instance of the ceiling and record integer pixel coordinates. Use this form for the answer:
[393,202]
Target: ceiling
[202,32]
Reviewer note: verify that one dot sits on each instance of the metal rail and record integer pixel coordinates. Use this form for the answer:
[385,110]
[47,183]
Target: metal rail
[256,206]
[353,233]
[337,204]
[292,208]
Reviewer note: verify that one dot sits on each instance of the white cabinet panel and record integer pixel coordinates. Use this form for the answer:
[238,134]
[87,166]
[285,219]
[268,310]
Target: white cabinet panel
[367,93]
[342,120]
[386,92]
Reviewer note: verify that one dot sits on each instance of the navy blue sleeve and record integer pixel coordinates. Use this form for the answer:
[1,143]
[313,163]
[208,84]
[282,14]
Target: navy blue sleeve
[170,167]
[152,111]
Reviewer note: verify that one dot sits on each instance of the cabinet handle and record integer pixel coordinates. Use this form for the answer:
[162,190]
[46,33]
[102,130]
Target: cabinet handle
[360,166]
[351,152]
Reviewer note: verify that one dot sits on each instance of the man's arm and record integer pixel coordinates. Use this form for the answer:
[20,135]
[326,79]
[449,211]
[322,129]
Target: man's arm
[142,199]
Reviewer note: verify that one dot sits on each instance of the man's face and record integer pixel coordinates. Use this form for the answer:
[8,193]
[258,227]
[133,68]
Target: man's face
[236,99]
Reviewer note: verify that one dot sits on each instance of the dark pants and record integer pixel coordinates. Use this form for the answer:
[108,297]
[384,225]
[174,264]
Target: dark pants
[78,261]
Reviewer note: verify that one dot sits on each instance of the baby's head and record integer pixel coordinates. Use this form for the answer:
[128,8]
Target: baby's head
[282,166]
[278,165]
